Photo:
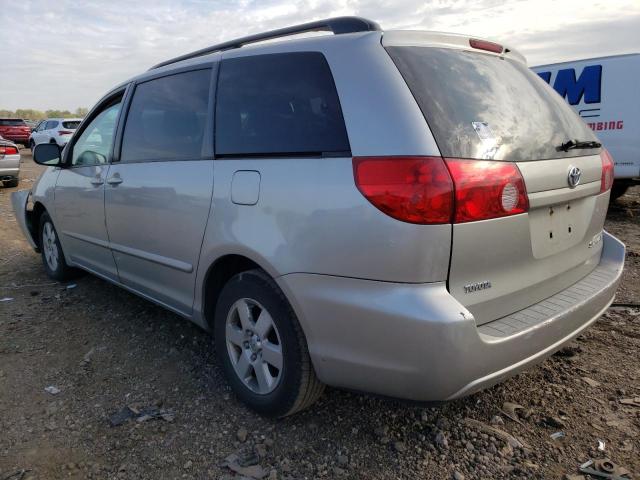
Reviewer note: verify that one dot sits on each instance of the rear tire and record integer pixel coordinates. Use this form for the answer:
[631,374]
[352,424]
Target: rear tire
[618,190]
[255,329]
[51,250]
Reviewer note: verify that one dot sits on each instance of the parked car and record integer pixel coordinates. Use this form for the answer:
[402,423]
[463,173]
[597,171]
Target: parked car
[54,130]
[15,130]
[603,91]
[412,214]
[32,124]
[9,163]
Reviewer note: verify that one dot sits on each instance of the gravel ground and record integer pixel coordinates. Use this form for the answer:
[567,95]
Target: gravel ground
[103,349]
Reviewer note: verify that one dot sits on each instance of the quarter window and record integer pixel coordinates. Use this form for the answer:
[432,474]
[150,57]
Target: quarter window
[167,118]
[278,104]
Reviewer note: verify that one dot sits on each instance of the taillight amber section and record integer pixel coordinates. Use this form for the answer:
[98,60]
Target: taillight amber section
[486,189]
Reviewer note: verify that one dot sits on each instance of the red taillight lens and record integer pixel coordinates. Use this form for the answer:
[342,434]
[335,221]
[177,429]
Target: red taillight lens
[65,132]
[486,189]
[8,150]
[606,179]
[485,45]
[411,189]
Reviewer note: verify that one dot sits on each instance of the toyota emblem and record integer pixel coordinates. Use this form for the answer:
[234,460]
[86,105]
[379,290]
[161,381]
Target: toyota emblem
[574,176]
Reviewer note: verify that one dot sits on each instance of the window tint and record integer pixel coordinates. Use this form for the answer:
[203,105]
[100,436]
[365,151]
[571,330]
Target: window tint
[278,104]
[71,125]
[94,144]
[487,107]
[167,118]
[51,124]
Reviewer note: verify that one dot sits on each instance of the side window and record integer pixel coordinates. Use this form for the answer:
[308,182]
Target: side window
[167,118]
[283,103]
[48,125]
[94,144]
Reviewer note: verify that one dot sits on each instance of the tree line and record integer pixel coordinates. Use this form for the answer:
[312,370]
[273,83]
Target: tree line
[31,114]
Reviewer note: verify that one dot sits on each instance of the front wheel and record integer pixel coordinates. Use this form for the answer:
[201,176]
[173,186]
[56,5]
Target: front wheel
[51,250]
[262,348]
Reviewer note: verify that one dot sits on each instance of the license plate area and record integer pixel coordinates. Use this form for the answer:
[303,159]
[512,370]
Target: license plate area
[555,228]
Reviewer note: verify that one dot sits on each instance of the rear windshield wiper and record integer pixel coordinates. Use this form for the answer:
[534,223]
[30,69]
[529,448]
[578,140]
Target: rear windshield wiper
[578,144]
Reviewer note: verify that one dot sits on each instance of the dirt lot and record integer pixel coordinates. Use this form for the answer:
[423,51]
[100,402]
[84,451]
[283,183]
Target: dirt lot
[105,349]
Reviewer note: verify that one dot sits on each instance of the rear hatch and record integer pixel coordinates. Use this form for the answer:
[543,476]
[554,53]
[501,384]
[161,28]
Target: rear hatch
[14,128]
[490,108]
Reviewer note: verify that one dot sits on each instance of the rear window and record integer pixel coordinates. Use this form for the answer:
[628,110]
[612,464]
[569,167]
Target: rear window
[167,118]
[278,104]
[485,107]
[12,122]
[71,125]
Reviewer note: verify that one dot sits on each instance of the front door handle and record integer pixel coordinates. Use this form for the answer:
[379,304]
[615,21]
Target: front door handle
[115,180]
[97,180]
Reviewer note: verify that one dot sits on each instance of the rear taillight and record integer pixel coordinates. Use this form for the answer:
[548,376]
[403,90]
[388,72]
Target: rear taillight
[411,189]
[486,189]
[432,190]
[485,45]
[606,179]
[64,132]
[8,150]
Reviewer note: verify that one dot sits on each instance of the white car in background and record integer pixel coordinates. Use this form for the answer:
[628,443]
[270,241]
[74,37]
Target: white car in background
[54,130]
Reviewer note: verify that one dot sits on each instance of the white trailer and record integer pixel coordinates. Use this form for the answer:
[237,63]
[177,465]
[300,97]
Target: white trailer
[605,92]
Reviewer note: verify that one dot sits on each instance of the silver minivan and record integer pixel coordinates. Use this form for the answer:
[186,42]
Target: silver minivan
[410,214]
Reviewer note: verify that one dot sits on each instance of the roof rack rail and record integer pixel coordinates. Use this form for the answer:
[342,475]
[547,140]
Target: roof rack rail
[337,25]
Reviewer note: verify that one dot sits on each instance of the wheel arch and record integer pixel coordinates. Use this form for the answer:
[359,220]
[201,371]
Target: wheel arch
[33,221]
[221,270]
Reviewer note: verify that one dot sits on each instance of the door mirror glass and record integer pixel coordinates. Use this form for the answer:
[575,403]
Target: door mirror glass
[48,154]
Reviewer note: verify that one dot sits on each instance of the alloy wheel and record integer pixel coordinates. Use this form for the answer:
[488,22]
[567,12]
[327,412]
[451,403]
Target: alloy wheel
[254,346]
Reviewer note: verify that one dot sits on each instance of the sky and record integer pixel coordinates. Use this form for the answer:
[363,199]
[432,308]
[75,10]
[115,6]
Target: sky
[68,53]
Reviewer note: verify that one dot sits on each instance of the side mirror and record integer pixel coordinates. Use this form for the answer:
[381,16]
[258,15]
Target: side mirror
[48,154]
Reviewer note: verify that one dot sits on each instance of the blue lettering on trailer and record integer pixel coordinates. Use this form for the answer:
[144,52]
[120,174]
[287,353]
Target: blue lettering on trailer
[587,85]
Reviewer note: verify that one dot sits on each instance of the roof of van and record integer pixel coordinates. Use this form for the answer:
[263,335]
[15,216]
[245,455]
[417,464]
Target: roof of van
[386,37]
[356,28]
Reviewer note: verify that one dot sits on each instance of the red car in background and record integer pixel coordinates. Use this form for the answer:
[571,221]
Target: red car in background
[15,129]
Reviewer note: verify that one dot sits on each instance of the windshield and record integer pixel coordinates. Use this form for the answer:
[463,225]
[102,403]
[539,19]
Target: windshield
[487,107]
[12,122]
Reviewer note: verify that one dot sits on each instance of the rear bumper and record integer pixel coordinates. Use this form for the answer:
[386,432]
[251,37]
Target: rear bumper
[23,139]
[415,341]
[10,166]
